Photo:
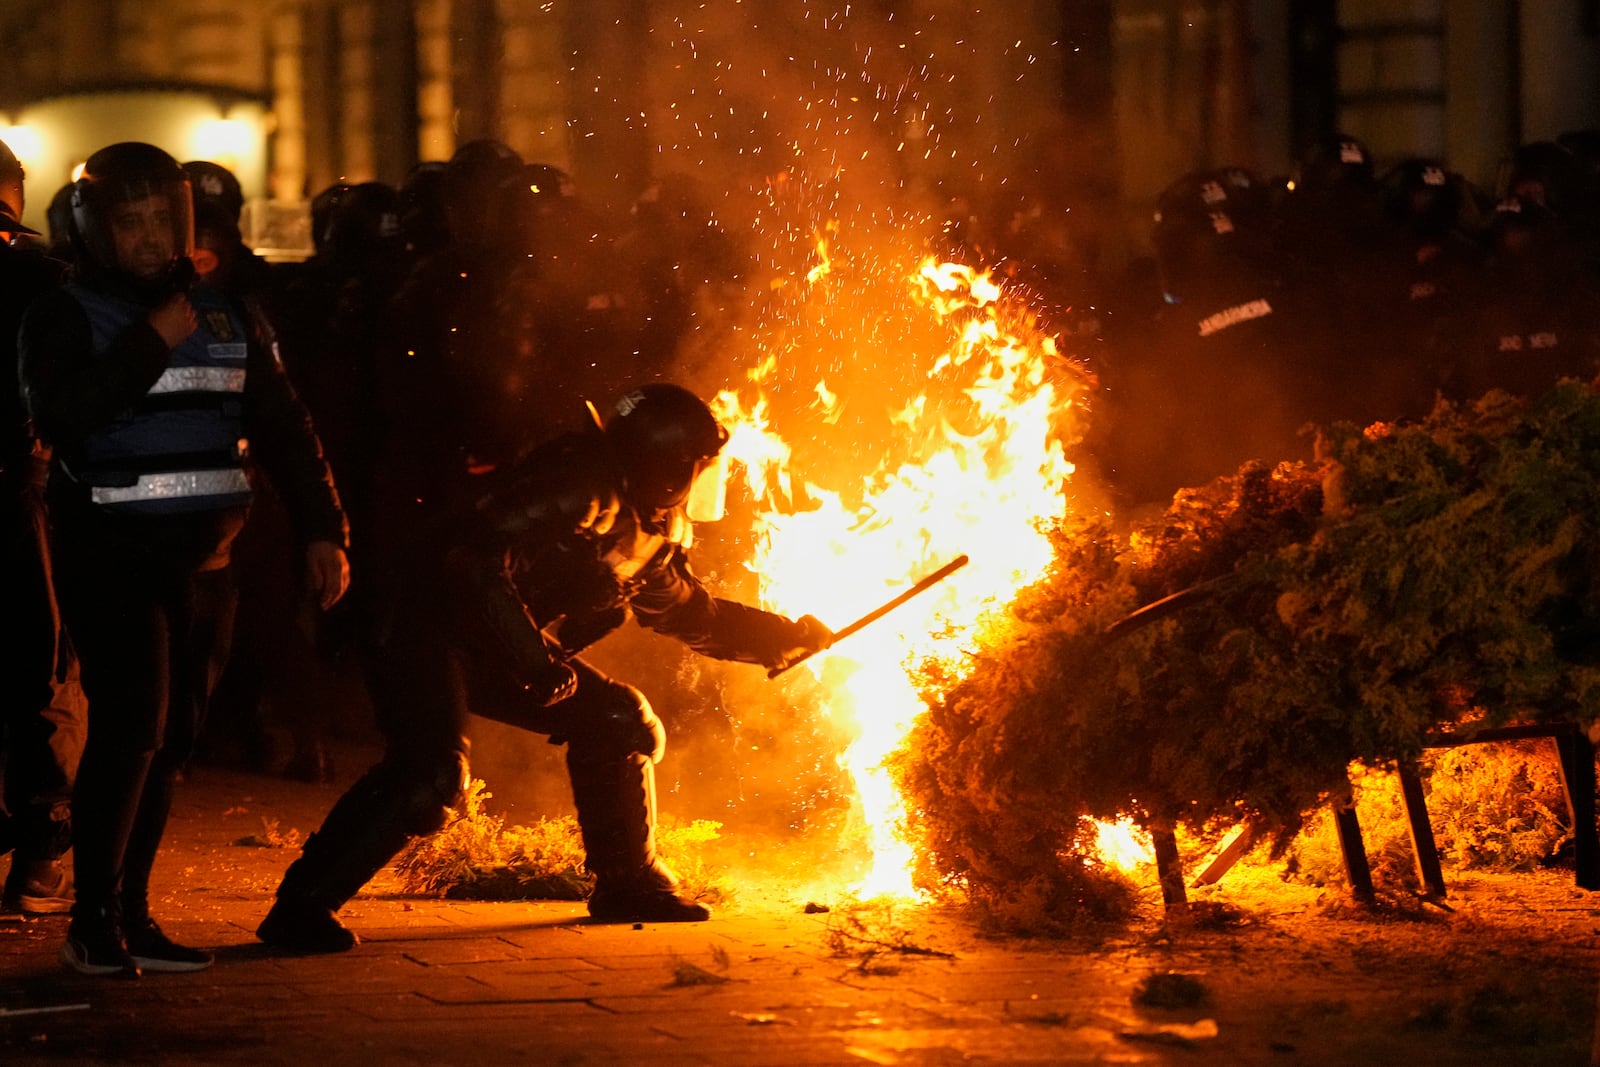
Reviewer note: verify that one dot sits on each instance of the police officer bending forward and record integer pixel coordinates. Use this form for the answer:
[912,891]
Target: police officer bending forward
[587,530]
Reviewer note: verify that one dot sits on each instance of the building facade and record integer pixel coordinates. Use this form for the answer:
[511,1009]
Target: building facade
[1108,99]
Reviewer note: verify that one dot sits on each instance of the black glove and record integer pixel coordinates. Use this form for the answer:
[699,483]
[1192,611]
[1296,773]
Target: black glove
[551,683]
[808,637]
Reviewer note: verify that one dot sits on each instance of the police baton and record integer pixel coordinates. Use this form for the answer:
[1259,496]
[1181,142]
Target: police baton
[922,586]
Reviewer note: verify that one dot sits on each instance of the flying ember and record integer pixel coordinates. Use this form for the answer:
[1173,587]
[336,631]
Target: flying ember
[956,446]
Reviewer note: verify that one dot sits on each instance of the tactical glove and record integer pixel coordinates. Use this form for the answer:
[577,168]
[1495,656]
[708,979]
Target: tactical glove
[808,637]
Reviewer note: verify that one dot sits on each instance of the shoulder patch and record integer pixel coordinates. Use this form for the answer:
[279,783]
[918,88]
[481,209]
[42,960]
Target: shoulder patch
[220,323]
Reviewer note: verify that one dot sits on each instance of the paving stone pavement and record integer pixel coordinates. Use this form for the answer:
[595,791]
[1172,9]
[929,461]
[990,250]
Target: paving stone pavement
[440,982]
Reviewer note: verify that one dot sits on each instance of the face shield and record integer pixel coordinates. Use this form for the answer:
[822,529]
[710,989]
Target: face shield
[133,211]
[708,493]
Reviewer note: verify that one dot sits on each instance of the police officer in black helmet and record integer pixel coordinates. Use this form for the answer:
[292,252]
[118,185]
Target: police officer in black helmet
[501,599]
[148,388]
[41,705]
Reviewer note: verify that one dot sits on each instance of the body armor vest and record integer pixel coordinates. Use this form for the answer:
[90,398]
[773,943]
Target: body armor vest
[181,448]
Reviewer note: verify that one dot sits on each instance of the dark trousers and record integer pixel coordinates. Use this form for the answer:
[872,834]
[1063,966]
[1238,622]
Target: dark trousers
[42,714]
[423,687]
[150,641]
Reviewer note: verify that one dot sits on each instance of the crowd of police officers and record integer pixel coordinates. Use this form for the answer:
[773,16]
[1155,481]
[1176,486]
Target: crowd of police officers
[443,339]
[1337,293]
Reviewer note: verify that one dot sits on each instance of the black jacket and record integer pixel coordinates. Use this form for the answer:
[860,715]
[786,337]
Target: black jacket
[555,548]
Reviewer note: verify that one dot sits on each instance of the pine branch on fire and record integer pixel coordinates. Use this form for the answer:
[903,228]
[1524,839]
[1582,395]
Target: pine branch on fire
[477,857]
[1416,577]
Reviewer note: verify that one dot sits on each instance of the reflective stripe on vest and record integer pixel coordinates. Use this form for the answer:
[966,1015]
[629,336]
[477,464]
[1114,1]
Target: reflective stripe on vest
[173,486]
[199,380]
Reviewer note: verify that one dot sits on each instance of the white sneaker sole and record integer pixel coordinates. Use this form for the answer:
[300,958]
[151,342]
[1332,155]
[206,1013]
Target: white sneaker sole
[161,966]
[40,905]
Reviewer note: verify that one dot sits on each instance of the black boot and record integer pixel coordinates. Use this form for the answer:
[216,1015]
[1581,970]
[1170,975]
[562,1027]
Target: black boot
[647,898]
[364,831]
[300,924]
[315,886]
[616,802]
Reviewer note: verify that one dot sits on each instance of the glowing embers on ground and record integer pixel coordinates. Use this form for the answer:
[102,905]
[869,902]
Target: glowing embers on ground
[970,461]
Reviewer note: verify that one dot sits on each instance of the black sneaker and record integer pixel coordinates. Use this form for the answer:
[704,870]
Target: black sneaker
[299,925]
[94,946]
[644,905]
[38,887]
[154,951]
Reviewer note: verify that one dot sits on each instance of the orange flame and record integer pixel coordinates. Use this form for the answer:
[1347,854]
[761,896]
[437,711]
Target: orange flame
[984,489]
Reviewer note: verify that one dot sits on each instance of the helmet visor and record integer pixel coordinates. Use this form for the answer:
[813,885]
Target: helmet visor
[139,225]
[708,493]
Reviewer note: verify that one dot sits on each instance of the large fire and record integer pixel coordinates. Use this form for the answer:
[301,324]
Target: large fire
[979,466]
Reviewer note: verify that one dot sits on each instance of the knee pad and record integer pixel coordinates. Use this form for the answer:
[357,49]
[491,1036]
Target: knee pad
[430,790]
[619,726]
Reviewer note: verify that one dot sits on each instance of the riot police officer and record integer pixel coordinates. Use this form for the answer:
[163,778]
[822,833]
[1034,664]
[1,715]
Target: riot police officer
[41,703]
[588,530]
[148,389]
[1535,319]
[1225,377]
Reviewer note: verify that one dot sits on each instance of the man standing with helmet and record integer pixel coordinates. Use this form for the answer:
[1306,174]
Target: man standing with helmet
[151,392]
[41,703]
[500,598]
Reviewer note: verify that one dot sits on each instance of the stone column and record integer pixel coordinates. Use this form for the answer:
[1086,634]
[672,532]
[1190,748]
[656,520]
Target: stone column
[1480,100]
[436,131]
[1560,69]
[393,109]
[355,89]
[287,180]
[533,83]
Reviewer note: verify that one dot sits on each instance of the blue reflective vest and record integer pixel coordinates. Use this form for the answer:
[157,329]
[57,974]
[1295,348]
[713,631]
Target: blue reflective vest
[181,448]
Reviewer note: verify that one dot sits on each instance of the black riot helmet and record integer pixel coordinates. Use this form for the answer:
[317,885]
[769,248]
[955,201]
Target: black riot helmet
[11,193]
[422,215]
[1526,232]
[58,220]
[1543,173]
[668,443]
[214,182]
[535,203]
[1211,230]
[322,206]
[471,180]
[1341,160]
[363,222]
[124,173]
[1425,197]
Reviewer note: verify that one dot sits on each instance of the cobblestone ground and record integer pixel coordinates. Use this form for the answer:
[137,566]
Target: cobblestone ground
[1507,976]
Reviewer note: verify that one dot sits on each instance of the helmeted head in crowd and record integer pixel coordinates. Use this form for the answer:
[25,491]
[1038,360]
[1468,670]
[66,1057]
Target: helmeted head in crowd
[1425,197]
[58,220]
[1339,162]
[213,182]
[1211,235]
[423,221]
[362,224]
[669,445]
[472,180]
[132,212]
[11,198]
[1543,173]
